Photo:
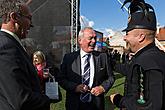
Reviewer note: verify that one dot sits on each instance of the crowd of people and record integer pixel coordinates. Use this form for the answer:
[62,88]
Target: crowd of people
[86,75]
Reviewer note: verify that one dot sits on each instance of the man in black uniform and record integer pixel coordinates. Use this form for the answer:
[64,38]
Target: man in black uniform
[145,73]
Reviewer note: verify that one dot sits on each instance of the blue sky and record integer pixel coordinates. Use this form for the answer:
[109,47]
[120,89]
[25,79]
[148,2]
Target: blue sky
[106,14]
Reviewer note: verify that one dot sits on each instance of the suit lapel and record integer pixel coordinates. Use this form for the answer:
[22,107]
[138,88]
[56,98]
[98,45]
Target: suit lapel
[96,64]
[76,66]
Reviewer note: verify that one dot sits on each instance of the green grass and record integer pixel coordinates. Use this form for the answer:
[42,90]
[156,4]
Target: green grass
[60,105]
[117,88]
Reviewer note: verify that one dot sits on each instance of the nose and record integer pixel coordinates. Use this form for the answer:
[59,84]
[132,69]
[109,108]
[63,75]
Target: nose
[94,39]
[125,37]
[35,59]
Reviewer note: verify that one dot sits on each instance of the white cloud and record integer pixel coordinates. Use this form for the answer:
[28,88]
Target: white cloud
[91,23]
[117,39]
[110,32]
[85,22]
[117,36]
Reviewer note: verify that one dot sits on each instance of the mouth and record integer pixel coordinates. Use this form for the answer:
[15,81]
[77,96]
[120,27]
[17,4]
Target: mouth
[92,45]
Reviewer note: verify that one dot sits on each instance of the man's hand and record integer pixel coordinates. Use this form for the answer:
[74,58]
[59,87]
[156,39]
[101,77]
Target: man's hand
[97,90]
[82,88]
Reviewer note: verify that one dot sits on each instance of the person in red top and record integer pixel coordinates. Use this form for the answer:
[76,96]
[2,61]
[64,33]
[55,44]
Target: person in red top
[39,62]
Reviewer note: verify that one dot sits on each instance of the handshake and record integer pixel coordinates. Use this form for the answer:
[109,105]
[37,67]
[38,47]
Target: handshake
[97,90]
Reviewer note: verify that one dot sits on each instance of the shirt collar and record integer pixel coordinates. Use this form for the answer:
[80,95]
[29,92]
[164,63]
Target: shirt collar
[83,53]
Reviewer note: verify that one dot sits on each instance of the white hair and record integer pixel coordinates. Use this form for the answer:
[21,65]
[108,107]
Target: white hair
[81,33]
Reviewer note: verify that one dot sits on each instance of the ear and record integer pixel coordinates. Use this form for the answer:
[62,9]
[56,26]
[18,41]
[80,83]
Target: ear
[14,16]
[141,37]
[79,40]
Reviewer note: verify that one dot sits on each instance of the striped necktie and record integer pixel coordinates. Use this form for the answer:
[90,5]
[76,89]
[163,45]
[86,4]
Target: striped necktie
[86,97]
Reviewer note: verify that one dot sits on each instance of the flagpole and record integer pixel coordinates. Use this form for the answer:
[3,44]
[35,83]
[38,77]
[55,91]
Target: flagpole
[122,5]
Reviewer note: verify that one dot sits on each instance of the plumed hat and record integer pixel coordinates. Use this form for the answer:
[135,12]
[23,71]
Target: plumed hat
[141,15]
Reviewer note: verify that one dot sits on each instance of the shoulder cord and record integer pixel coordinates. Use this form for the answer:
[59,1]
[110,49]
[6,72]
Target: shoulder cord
[141,97]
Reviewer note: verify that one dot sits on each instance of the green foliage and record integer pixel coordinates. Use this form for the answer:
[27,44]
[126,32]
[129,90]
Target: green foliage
[60,105]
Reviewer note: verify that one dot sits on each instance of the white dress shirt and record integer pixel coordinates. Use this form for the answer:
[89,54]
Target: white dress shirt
[82,54]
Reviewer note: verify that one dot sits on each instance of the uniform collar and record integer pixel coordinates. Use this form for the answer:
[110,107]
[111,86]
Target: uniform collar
[144,49]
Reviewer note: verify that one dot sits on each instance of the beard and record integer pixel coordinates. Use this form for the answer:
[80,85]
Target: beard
[128,48]
[23,34]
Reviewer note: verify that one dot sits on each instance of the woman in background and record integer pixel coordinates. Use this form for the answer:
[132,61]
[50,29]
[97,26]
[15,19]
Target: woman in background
[45,71]
[39,62]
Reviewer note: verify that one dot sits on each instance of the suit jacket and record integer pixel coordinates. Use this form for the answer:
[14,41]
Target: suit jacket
[70,77]
[19,84]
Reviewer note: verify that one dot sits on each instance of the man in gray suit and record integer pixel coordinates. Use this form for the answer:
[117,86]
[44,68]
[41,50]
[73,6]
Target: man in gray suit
[73,75]
[19,84]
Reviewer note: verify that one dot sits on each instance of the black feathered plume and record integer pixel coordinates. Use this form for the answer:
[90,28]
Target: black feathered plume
[138,5]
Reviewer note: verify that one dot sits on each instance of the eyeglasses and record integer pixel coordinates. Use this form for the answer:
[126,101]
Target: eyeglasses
[28,17]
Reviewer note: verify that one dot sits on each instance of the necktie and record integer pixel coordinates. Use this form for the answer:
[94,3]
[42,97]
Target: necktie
[86,97]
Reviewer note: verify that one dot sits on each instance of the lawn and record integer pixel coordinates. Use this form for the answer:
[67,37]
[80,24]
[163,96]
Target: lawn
[117,88]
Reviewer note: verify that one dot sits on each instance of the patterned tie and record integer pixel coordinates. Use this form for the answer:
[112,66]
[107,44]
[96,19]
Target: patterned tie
[86,97]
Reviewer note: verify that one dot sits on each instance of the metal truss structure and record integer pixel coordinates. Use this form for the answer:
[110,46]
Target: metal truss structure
[74,24]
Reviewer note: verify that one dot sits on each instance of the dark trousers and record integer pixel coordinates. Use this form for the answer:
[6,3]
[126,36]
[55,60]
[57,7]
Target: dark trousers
[88,106]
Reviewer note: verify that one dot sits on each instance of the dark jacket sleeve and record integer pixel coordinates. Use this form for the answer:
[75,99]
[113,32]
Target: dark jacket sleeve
[109,80]
[121,68]
[66,77]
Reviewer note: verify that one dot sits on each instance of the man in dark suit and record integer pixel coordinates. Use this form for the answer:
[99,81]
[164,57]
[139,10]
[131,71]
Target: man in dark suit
[19,84]
[145,72]
[71,77]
